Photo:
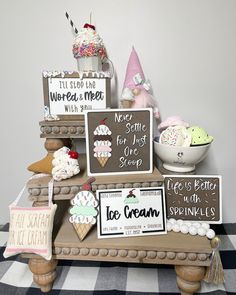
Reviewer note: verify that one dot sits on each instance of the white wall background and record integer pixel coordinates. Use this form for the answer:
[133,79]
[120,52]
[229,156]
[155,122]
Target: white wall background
[187,49]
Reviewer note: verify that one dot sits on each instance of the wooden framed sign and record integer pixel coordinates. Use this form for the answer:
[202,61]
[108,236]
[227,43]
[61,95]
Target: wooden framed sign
[131,212]
[68,96]
[194,198]
[119,141]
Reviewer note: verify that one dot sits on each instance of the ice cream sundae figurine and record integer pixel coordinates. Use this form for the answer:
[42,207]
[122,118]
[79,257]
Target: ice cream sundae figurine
[83,211]
[65,164]
[89,50]
[102,143]
[136,90]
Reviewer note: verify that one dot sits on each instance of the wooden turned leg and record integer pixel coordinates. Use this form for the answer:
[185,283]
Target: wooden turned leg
[189,278]
[54,144]
[44,272]
[51,145]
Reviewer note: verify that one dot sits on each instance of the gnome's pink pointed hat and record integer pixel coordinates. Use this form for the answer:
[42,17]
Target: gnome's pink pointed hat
[133,68]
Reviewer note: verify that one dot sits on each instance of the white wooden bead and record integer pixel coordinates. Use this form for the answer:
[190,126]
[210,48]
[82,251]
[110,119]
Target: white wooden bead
[172,220]
[210,234]
[180,222]
[169,226]
[192,230]
[188,223]
[176,228]
[196,224]
[201,231]
[205,225]
[184,229]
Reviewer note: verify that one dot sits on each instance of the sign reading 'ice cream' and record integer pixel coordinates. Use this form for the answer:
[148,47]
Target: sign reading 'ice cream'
[131,212]
[69,96]
[196,198]
[119,141]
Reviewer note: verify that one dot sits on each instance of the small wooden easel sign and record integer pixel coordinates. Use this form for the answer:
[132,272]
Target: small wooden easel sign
[196,198]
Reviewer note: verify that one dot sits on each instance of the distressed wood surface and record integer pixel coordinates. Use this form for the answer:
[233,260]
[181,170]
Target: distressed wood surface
[173,248]
[63,129]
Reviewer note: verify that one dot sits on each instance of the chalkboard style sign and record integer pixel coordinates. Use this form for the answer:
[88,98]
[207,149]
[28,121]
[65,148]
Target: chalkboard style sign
[68,96]
[194,198]
[131,212]
[119,141]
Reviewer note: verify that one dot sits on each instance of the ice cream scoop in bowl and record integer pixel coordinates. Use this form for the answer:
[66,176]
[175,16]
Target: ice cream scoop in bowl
[179,158]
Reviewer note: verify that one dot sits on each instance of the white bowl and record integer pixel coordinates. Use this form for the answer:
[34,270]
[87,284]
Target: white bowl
[180,159]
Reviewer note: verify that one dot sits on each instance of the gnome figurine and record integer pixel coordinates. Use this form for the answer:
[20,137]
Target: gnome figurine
[136,90]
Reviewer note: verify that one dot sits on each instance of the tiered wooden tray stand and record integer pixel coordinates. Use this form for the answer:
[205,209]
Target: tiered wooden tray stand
[189,254]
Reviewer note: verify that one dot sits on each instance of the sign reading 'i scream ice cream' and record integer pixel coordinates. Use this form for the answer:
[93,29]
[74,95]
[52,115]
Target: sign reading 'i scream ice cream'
[119,141]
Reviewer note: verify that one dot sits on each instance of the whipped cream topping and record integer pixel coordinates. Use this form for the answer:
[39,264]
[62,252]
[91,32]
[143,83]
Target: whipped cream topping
[64,166]
[86,36]
[88,43]
[84,198]
[102,130]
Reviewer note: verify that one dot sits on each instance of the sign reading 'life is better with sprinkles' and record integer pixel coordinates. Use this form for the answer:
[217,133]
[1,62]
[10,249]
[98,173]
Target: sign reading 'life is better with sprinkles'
[194,198]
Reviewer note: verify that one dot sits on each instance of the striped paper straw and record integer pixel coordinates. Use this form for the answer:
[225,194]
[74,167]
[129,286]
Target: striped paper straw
[71,23]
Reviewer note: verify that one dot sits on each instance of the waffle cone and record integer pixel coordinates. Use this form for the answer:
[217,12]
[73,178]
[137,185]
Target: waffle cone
[82,229]
[126,104]
[102,161]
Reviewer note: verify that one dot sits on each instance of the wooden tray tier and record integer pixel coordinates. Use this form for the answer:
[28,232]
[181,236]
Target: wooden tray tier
[173,248]
[66,189]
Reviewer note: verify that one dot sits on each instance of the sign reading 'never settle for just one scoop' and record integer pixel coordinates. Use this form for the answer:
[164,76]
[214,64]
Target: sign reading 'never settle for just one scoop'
[119,141]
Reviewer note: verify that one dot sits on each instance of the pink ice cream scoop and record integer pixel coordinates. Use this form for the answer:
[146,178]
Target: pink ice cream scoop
[172,121]
[102,148]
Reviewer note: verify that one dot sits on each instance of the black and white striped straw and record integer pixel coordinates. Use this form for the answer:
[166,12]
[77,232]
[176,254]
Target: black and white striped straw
[71,23]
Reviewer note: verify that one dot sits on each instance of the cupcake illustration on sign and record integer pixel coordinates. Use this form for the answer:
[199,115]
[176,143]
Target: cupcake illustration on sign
[102,143]
[131,198]
[83,211]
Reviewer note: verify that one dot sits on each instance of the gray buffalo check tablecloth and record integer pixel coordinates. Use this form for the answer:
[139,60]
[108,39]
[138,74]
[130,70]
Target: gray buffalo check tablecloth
[103,278]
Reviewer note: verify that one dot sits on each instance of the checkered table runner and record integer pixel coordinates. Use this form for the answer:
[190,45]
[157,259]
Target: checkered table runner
[104,278]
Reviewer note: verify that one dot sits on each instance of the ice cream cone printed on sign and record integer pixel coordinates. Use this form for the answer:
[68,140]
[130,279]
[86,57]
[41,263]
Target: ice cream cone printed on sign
[83,211]
[102,143]
[131,198]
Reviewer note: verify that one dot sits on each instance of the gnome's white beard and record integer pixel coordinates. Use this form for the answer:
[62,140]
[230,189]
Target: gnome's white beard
[146,100]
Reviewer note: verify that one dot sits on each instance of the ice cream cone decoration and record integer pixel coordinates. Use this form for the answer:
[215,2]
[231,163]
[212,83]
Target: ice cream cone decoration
[102,143]
[83,211]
